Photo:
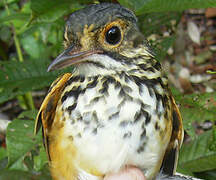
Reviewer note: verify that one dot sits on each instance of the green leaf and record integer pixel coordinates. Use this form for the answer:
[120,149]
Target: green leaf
[30,114]
[153,22]
[147,6]
[210,175]
[20,140]
[197,156]
[34,47]
[49,10]
[2,2]
[3,163]
[22,175]
[196,108]
[15,175]
[15,16]
[3,153]
[163,47]
[133,5]
[17,78]
[5,34]
[11,1]
[40,160]
[19,164]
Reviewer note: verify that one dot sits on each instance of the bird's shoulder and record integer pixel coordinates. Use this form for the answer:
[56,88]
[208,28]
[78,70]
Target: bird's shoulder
[46,113]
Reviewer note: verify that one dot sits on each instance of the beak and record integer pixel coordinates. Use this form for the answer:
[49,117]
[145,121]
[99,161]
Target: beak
[71,56]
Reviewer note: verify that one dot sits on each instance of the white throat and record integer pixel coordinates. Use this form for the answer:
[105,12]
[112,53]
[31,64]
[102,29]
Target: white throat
[109,66]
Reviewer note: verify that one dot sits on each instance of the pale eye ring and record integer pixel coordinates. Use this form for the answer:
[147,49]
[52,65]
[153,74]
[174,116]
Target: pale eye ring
[113,35]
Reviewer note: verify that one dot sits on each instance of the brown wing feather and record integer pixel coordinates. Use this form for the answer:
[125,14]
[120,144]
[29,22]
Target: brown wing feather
[46,113]
[171,156]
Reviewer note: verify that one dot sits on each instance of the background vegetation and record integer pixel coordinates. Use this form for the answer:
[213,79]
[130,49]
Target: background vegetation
[31,36]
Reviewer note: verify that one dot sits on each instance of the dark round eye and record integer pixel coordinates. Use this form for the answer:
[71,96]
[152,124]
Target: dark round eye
[113,35]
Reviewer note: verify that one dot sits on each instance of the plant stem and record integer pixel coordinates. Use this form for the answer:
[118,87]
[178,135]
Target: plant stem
[18,48]
[28,99]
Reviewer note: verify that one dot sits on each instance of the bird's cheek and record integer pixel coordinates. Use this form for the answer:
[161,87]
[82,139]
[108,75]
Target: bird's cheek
[129,173]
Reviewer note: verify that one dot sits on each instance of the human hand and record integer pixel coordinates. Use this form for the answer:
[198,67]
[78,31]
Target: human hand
[129,173]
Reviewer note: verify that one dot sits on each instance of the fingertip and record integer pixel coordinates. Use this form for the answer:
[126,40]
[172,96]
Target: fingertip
[129,173]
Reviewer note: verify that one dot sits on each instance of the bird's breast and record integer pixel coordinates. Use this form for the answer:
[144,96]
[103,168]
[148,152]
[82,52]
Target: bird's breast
[113,121]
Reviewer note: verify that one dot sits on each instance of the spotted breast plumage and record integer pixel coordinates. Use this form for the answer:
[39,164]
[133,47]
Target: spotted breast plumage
[115,109]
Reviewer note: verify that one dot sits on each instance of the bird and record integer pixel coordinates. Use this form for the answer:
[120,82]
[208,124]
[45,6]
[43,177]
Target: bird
[115,108]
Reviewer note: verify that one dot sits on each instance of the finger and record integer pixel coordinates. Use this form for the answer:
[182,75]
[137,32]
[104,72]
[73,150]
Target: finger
[129,173]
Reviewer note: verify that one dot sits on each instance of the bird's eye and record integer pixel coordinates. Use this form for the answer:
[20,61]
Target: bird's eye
[113,35]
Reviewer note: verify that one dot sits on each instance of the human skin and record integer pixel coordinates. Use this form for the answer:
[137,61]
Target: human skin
[129,173]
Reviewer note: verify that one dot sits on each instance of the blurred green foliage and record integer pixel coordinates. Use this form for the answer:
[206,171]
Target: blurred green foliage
[31,35]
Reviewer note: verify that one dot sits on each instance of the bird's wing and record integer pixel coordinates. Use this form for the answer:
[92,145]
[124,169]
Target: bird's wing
[171,156]
[46,113]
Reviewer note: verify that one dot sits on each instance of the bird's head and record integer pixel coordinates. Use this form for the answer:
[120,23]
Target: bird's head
[102,38]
